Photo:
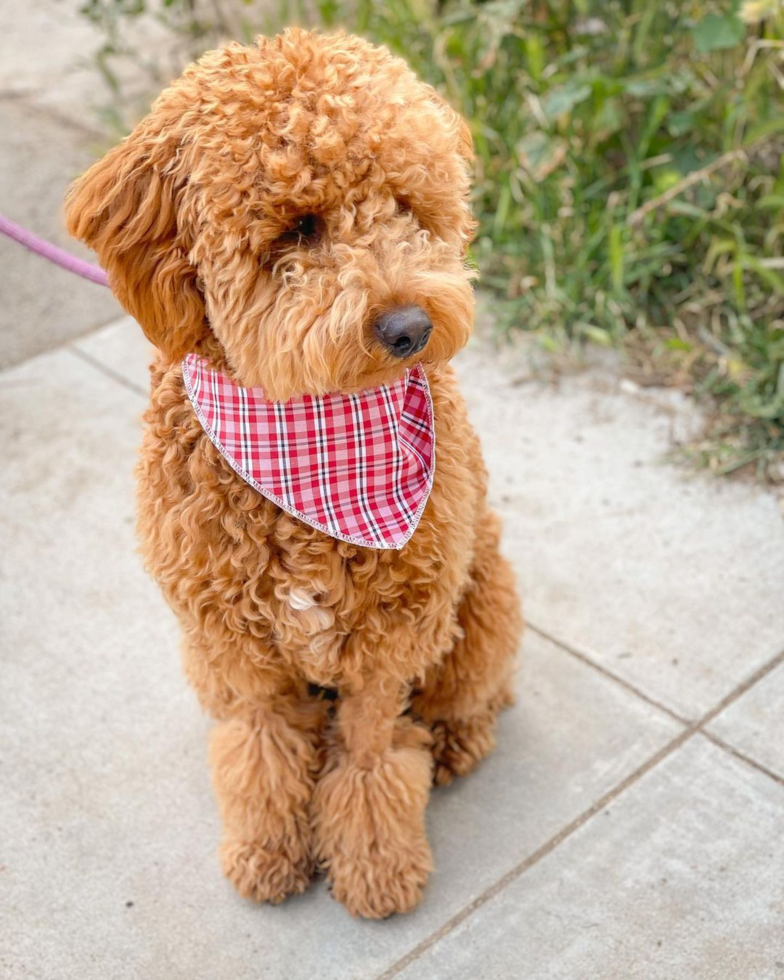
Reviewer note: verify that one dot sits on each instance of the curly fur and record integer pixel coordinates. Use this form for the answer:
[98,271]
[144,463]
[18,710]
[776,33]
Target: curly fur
[194,217]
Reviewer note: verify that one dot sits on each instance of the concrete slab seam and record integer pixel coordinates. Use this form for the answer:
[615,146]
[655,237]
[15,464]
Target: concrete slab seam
[95,363]
[550,845]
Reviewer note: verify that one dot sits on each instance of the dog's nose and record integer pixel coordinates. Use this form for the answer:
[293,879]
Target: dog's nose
[403,330]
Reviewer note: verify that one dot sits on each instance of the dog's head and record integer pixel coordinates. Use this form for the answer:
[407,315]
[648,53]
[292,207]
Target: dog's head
[304,203]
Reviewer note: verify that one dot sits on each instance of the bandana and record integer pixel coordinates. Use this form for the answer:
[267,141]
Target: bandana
[357,467]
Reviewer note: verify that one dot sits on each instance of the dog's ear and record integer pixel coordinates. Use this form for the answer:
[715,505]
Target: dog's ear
[465,141]
[125,208]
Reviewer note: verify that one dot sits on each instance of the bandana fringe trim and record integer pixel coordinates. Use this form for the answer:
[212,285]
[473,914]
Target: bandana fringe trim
[324,528]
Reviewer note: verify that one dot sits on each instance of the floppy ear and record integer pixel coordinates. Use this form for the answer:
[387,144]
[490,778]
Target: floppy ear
[125,208]
[466,141]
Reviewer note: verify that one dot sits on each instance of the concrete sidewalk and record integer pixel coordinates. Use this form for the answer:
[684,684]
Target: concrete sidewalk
[629,825]
[51,95]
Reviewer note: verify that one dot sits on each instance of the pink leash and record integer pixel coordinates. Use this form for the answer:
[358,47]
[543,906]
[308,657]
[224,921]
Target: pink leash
[57,255]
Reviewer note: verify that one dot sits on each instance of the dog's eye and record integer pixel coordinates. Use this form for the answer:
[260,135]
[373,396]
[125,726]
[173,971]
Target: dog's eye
[308,226]
[402,207]
[305,231]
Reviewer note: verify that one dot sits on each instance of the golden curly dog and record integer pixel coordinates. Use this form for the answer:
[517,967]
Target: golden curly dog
[278,200]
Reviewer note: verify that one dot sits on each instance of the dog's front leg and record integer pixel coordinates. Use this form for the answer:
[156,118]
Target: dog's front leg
[369,805]
[264,765]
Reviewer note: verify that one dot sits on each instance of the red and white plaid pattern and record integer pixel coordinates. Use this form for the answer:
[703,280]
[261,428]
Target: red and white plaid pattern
[358,467]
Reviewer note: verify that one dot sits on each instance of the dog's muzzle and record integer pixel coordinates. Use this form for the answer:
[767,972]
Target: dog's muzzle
[403,330]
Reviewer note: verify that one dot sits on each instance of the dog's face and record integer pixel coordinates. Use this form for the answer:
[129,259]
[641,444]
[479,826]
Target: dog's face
[304,202]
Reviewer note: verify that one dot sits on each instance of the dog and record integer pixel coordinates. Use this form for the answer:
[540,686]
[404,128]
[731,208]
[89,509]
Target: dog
[292,219]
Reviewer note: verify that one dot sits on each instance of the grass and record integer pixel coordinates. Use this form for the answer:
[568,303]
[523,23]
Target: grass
[629,180]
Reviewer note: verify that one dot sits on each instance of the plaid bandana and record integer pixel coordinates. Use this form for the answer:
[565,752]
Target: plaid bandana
[357,467]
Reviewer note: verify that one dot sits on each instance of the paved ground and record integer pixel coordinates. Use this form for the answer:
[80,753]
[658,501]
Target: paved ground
[50,99]
[629,825]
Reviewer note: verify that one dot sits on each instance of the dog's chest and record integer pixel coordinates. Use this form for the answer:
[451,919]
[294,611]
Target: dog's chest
[331,613]
[255,578]
[310,632]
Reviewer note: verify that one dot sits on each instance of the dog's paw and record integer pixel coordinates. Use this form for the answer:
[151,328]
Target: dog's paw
[265,875]
[376,889]
[459,745]
[369,827]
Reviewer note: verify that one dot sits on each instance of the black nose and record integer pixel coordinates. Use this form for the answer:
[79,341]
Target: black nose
[403,330]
